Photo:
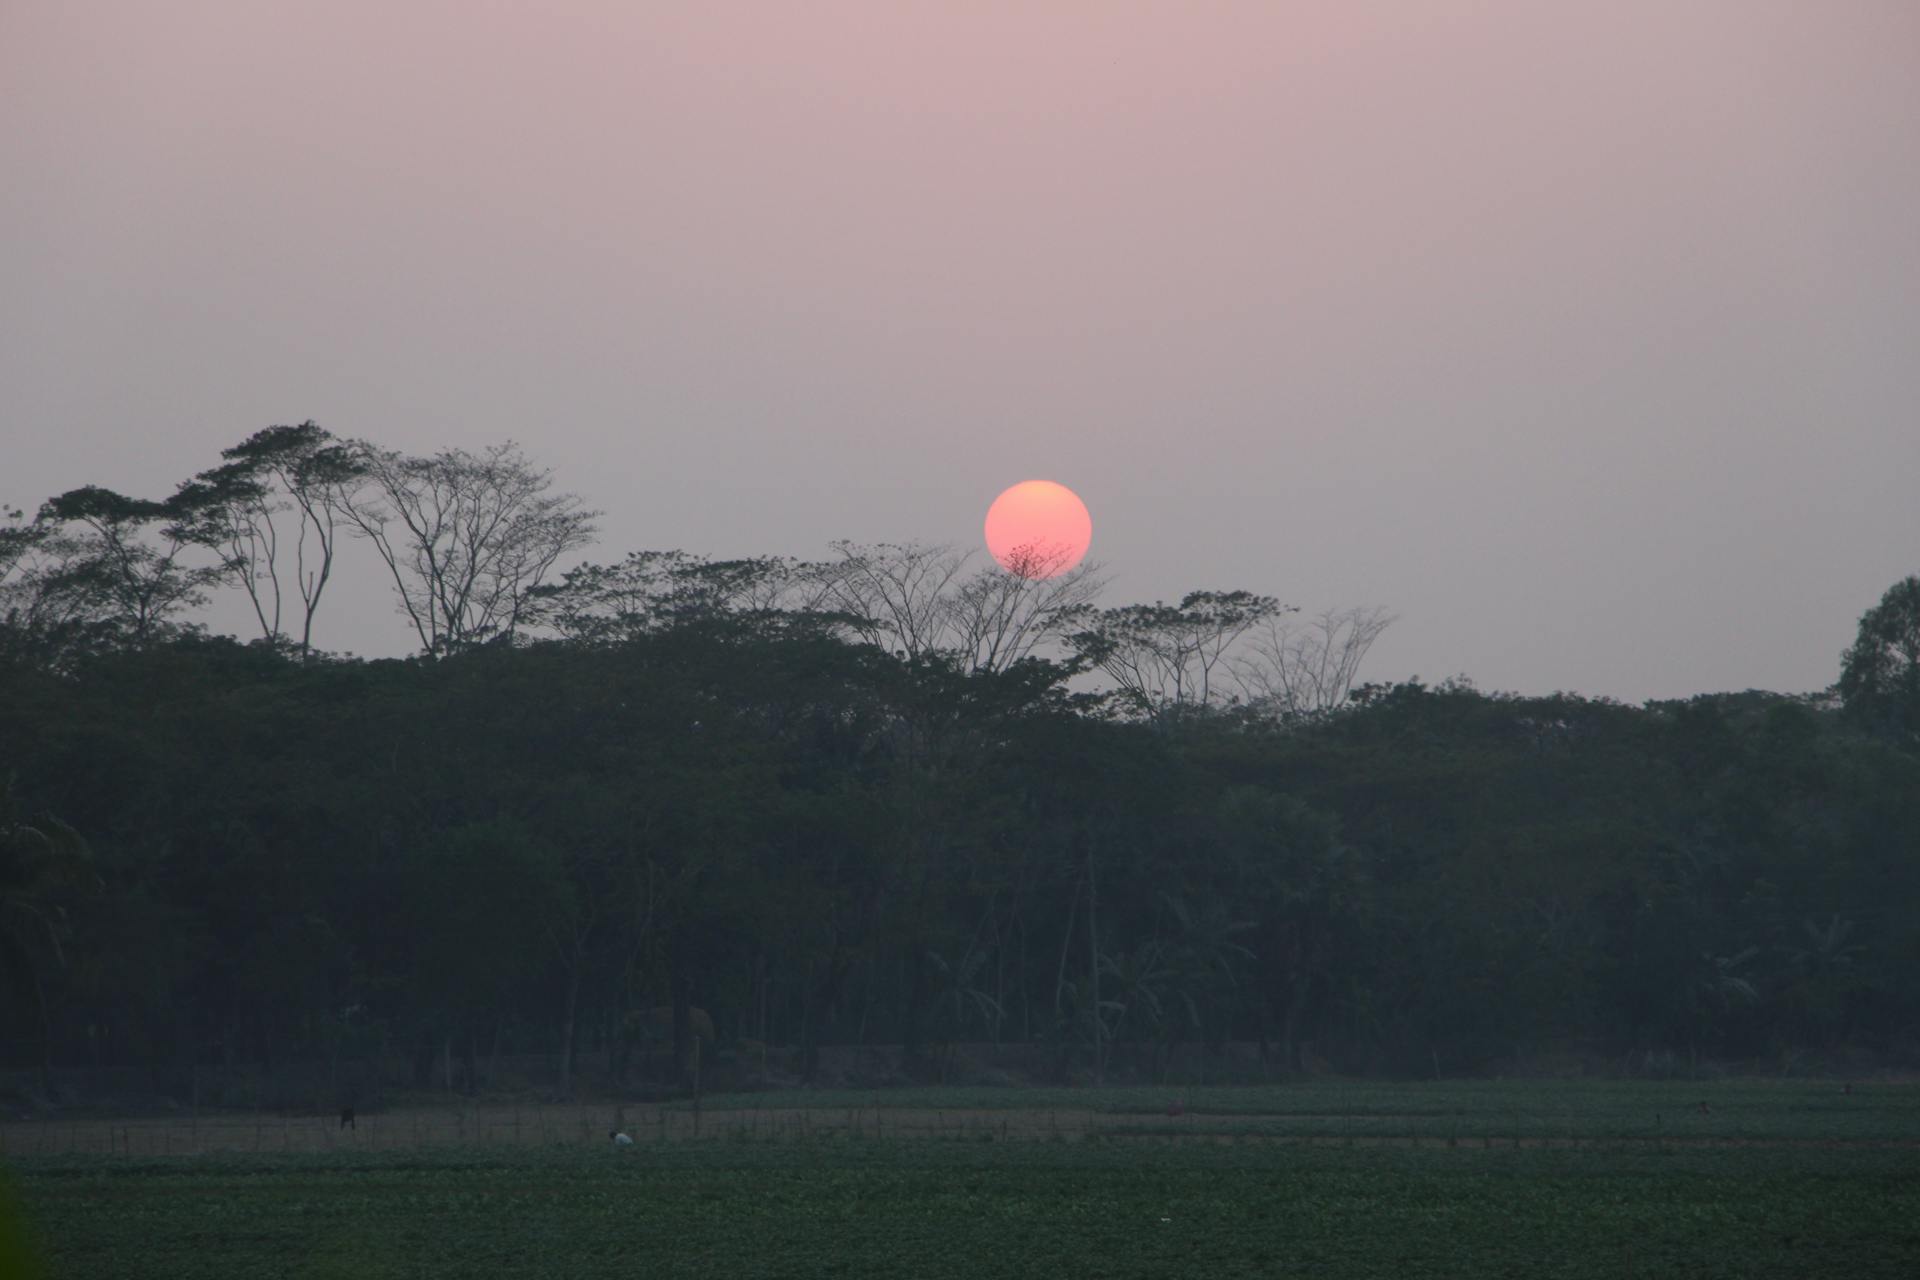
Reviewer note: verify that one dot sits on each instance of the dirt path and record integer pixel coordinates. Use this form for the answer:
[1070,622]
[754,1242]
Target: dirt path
[589,1125]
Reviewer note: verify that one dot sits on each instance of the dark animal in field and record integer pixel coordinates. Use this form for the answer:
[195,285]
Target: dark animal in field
[346,1119]
[1704,1109]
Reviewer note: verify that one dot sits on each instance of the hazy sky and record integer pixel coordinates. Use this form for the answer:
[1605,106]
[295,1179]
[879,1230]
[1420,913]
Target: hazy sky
[1584,336]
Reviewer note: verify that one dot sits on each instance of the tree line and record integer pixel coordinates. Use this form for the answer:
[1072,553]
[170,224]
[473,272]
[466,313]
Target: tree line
[884,797]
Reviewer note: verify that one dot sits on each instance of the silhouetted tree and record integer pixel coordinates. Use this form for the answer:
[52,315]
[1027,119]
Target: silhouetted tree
[1168,659]
[466,536]
[234,510]
[126,565]
[1880,672]
[1296,669]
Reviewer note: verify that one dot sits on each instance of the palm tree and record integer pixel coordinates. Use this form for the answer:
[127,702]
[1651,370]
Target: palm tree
[1826,948]
[1822,965]
[1207,960]
[960,999]
[1141,984]
[1712,990]
[42,863]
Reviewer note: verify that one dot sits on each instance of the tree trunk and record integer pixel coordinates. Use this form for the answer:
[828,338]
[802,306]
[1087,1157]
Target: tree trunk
[423,1061]
[46,1035]
[762,982]
[336,1038]
[567,1031]
[1066,941]
[912,1034]
[815,1004]
[1093,979]
[620,1055]
[682,1021]
[999,986]
[1297,993]
[866,1007]
[1026,986]
[1063,1044]
[809,1052]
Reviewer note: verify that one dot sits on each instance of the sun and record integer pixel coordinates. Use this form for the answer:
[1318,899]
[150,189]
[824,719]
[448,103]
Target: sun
[1038,529]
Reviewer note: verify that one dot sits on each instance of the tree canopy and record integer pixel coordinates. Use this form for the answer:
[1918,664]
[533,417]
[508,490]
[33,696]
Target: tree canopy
[881,798]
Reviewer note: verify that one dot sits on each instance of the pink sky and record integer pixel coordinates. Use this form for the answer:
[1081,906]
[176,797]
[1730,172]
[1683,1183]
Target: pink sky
[1582,336]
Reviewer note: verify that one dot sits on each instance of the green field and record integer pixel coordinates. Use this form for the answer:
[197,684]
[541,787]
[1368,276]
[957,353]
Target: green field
[1146,1200]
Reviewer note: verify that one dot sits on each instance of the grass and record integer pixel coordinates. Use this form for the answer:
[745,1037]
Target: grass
[1124,1204]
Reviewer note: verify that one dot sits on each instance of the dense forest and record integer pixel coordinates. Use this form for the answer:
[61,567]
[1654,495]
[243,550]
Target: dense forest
[889,797]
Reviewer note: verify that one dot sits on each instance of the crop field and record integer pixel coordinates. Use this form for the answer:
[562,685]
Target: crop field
[1518,1179]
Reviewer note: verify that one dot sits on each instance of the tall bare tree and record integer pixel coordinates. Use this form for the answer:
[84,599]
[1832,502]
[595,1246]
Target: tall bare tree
[232,509]
[999,616]
[921,601]
[230,512]
[1167,659]
[466,536]
[896,593]
[1307,668]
